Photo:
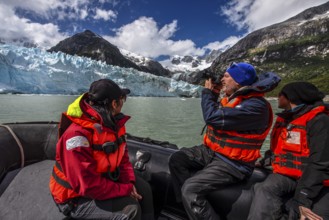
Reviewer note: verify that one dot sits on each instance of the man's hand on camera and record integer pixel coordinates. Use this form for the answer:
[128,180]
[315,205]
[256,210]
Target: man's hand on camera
[215,88]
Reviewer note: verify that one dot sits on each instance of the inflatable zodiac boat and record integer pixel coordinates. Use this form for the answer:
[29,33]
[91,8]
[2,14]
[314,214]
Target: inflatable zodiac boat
[27,152]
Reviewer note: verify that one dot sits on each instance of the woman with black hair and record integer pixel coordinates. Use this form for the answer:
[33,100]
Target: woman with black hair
[92,177]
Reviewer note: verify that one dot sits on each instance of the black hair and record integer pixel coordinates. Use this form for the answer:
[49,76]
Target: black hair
[105,111]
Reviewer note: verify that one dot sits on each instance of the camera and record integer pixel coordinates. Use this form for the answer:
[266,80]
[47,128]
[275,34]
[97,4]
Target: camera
[208,74]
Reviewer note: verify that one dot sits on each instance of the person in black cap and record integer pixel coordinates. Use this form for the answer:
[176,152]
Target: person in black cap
[92,177]
[299,156]
[236,128]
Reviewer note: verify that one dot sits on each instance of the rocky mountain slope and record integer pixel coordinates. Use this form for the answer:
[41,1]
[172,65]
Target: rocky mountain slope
[296,49]
[89,44]
[146,64]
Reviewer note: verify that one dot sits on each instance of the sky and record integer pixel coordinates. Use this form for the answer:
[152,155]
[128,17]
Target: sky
[157,29]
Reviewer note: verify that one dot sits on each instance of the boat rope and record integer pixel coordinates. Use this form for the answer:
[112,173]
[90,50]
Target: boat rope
[18,143]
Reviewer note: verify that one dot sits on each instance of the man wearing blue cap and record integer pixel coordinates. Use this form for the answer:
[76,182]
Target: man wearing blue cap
[236,129]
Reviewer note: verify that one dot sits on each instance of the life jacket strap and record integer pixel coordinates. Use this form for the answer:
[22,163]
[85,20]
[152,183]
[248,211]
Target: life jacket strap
[234,138]
[291,157]
[290,164]
[58,179]
[110,147]
[222,142]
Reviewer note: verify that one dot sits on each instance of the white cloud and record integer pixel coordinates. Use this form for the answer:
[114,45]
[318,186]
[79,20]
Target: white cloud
[105,14]
[40,7]
[256,14]
[49,8]
[46,34]
[112,2]
[228,42]
[83,14]
[169,29]
[144,37]
[14,28]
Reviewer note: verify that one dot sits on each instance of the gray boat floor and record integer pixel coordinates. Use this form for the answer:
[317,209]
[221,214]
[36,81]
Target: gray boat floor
[28,196]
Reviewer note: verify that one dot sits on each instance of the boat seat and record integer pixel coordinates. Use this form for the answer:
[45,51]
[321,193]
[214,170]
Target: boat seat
[233,202]
[28,196]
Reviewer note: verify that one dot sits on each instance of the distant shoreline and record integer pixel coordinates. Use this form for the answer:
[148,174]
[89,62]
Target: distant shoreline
[325,99]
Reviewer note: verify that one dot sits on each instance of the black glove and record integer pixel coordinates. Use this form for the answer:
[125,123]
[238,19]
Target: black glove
[294,213]
[266,160]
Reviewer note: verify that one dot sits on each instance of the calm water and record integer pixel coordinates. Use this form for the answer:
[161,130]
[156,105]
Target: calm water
[177,120]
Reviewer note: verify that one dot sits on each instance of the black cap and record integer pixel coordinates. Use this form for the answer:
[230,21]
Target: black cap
[302,93]
[106,89]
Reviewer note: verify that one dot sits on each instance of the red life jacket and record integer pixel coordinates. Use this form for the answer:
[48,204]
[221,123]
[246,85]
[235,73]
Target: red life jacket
[109,148]
[290,146]
[234,145]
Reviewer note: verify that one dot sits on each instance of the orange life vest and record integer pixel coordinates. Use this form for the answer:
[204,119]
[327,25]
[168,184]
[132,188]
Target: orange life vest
[290,146]
[108,152]
[234,145]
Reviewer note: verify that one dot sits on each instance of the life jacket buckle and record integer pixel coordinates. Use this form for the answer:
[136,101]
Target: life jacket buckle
[110,147]
[114,176]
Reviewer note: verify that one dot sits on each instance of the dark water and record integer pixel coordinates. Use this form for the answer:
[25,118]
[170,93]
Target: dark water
[176,120]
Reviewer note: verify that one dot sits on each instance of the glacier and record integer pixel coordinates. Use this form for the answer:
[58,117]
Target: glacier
[36,71]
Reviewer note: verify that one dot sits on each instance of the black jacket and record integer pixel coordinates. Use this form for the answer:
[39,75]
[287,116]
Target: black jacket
[317,170]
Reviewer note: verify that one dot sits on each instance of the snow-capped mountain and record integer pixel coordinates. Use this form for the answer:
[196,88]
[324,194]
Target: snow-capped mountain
[36,71]
[146,64]
[185,68]
[190,68]
[89,44]
[185,64]
[175,64]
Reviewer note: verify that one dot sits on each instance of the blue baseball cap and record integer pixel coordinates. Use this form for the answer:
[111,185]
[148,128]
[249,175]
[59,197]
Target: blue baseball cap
[242,73]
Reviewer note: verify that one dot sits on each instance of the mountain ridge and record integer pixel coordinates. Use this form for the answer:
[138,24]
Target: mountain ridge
[297,49]
[89,44]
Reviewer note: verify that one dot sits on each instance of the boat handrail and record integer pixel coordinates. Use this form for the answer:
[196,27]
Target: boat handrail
[21,149]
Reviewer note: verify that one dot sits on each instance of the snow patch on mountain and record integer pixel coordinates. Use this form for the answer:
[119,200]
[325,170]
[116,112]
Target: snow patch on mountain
[137,59]
[185,64]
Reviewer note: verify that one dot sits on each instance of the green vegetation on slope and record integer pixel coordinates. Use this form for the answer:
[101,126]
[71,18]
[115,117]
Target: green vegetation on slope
[293,67]
[314,70]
